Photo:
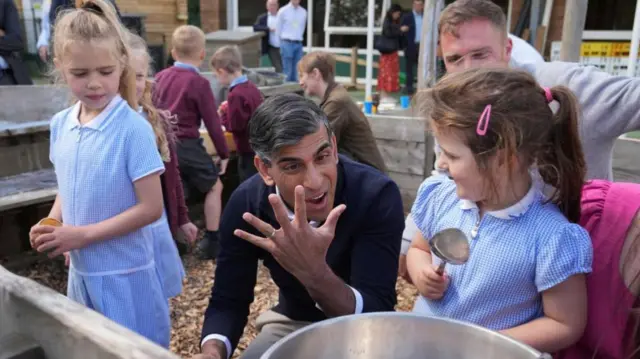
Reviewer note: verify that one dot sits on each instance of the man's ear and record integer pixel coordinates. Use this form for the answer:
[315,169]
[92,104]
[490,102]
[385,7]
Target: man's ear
[508,49]
[263,170]
[334,148]
[317,74]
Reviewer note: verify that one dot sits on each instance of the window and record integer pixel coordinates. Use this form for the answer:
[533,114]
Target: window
[610,15]
[351,13]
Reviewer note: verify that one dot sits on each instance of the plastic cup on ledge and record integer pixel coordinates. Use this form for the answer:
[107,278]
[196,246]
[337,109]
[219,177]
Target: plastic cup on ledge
[405,101]
[368,107]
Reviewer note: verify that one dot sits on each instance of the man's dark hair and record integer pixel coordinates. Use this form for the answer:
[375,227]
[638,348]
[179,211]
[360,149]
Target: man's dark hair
[282,121]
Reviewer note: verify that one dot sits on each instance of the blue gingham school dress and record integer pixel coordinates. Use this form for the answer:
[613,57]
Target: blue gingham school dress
[167,258]
[96,165]
[515,254]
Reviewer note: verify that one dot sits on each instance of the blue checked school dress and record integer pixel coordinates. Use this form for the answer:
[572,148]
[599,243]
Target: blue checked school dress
[515,254]
[96,165]
[167,258]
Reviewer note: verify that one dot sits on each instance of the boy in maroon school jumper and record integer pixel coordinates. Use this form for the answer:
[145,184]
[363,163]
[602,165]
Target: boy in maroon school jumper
[181,90]
[242,101]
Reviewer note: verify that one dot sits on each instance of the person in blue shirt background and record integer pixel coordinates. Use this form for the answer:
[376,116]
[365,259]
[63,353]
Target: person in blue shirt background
[292,20]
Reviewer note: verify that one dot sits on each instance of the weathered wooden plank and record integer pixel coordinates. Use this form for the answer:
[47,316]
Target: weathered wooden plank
[64,328]
[43,102]
[397,128]
[407,181]
[403,156]
[162,16]
[626,166]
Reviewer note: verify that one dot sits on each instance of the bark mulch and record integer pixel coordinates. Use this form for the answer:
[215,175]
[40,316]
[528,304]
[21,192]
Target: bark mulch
[187,310]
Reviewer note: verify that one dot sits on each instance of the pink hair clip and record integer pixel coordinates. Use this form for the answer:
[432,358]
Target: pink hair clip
[547,94]
[483,121]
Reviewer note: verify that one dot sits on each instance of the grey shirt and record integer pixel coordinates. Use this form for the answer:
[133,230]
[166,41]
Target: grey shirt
[610,107]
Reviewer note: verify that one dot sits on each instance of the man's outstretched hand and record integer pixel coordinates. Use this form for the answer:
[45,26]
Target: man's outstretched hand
[296,245]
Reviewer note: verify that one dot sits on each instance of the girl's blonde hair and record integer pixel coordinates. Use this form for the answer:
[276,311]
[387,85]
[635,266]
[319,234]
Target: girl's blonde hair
[96,20]
[158,119]
[520,125]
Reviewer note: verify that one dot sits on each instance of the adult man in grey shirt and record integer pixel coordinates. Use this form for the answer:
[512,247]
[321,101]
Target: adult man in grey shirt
[472,33]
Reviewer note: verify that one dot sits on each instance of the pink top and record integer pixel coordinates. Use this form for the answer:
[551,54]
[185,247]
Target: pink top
[608,210]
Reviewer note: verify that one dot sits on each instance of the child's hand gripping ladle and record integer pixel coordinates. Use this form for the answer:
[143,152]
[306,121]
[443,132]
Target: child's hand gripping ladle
[451,246]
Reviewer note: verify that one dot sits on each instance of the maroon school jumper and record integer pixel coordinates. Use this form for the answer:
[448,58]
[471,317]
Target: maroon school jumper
[187,95]
[243,100]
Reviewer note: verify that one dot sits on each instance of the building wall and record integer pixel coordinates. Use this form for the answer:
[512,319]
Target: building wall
[162,16]
[555,24]
[213,15]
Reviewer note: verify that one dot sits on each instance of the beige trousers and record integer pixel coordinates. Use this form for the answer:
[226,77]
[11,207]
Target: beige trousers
[272,327]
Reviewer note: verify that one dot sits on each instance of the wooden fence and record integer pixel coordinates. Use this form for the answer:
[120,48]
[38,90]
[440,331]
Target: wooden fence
[406,151]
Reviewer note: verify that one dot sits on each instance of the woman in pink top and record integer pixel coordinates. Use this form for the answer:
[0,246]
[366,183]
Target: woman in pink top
[610,214]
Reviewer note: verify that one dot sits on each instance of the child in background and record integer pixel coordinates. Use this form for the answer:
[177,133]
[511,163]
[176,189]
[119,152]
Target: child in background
[182,91]
[242,101]
[175,217]
[525,276]
[108,171]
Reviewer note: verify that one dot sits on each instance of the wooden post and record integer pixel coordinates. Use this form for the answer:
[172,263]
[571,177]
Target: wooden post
[575,16]
[354,66]
[427,61]
[371,13]
[428,43]
[635,43]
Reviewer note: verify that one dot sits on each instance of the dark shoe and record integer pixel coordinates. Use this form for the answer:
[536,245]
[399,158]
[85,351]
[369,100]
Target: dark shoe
[183,248]
[208,247]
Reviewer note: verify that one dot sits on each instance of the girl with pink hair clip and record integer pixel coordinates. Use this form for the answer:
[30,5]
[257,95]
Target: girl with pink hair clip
[501,144]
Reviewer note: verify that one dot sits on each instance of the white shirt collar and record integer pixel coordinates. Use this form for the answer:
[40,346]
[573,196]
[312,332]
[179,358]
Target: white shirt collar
[512,212]
[96,123]
[291,215]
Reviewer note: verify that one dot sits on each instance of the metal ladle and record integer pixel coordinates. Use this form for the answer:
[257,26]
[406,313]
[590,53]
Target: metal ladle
[451,246]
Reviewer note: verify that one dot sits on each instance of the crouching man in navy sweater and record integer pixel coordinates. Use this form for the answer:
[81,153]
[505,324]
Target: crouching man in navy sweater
[327,228]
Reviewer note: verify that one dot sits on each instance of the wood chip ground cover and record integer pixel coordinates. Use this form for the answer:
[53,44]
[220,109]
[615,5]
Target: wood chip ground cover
[187,309]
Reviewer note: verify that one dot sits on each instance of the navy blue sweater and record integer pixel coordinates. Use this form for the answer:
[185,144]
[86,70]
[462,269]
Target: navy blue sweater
[364,252]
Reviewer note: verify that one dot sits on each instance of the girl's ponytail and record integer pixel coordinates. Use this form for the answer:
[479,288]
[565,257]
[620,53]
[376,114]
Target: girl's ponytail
[160,122]
[562,165]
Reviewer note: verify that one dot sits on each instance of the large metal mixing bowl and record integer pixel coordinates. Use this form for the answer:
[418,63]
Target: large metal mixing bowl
[398,336]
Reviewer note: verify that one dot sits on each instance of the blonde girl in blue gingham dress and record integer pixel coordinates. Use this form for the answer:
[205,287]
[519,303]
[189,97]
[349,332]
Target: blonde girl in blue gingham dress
[108,170]
[525,276]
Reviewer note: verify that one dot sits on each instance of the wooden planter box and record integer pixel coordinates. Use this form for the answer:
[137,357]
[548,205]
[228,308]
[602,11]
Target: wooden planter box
[37,322]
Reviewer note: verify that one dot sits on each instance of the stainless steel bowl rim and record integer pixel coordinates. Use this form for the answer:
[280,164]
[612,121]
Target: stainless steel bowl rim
[330,321]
